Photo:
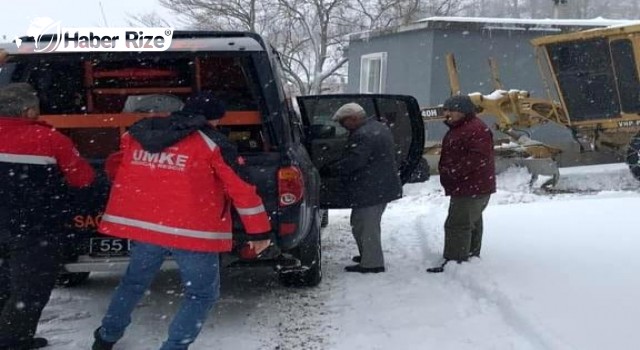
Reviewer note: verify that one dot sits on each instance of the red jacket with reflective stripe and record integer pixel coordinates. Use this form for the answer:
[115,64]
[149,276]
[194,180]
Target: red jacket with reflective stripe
[181,197]
[31,142]
[37,166]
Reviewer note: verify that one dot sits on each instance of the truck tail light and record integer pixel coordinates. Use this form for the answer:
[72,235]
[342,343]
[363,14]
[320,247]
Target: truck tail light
[287,229]
[290,186]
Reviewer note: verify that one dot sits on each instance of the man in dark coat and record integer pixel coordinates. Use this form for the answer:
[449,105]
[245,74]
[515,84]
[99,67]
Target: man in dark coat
[467,173]
[369,171]
[37,166]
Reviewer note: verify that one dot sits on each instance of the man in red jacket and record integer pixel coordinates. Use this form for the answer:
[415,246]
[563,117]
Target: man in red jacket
[467,173]
[37,166]
[175,179]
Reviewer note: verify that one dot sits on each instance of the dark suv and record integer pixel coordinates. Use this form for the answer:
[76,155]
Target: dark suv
[94,96]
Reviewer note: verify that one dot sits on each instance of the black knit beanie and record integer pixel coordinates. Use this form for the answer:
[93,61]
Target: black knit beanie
[460,103]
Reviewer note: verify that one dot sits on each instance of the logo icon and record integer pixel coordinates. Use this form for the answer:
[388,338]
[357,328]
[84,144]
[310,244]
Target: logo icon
[38,28]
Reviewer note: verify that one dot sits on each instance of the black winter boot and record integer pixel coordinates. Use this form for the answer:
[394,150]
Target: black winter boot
[37,343]
[358,268]
[99,343]
[33,343]
[439,268]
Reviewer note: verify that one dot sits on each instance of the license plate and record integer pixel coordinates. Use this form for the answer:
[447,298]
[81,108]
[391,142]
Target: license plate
[109,247]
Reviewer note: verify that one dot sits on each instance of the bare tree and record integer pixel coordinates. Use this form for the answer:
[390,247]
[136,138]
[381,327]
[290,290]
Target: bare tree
[580,8]
[447,7]
[311,35]
[301,30]
[312,40]
[250,15]
[514,8]
[635,9]
[619,9]
[151,19]
[374,14]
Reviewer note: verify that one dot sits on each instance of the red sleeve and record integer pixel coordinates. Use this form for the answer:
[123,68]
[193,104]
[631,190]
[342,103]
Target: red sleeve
[478,151]
[244,197]
[76,170]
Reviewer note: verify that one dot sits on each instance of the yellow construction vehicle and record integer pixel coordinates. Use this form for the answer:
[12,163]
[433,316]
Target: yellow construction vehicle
[594,75]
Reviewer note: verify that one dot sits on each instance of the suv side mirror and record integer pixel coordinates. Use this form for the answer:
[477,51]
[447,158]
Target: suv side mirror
[319,131]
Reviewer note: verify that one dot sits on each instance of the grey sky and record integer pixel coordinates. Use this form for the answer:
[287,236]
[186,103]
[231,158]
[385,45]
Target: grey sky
[15,16]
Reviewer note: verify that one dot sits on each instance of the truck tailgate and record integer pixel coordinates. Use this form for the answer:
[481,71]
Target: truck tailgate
[261,170]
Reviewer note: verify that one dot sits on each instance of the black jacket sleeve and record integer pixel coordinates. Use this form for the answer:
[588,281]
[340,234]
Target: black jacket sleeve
[355,156]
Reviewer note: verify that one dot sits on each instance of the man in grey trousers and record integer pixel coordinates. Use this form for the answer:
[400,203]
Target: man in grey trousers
[369,171]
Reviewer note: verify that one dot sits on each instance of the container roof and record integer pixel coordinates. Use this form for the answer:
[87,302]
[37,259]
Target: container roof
[488,23]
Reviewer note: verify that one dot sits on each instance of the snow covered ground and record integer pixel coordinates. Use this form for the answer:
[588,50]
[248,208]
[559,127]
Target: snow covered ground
[557,272]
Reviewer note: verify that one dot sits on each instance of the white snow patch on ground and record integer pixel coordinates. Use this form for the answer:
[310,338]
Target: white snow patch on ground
[557,272]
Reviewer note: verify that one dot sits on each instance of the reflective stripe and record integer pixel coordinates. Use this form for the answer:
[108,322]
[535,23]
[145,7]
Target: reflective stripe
[166,229]
[251,211]
[212,145]
[26,159]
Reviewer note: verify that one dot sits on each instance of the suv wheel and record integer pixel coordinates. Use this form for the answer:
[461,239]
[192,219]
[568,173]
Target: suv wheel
[633,156]
[68,279]
[421,173]
[309,251]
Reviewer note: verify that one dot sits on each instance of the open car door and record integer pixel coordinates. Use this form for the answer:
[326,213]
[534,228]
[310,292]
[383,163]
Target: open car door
[326,139]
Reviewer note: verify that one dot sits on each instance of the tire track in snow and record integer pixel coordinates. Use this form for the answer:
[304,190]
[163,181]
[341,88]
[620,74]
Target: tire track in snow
[419,220]
[533,332]
[301,325]
[516,320]
[277,317]
[304,319]
[477,290]
[433,207]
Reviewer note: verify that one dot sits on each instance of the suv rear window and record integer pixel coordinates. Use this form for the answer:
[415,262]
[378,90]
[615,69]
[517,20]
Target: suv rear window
[123,83]
[75,84]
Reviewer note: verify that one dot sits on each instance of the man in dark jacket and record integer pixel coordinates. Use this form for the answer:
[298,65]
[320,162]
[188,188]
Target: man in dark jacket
[369,171]
[175,180]
[467,173]
[37,164]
